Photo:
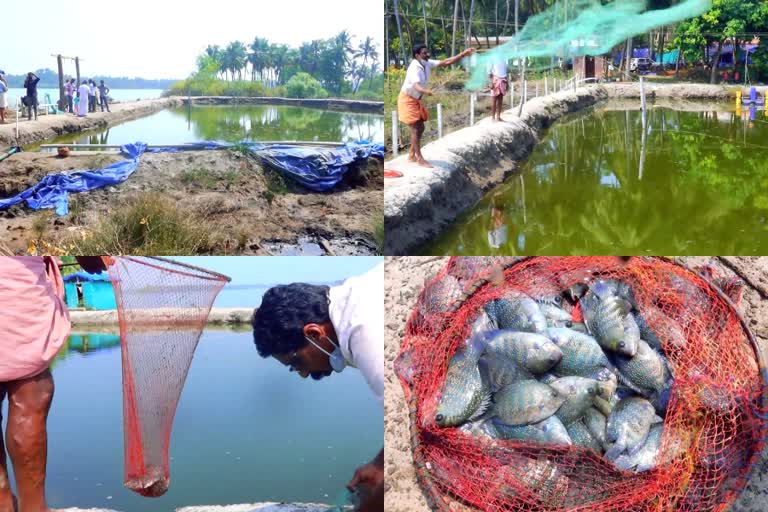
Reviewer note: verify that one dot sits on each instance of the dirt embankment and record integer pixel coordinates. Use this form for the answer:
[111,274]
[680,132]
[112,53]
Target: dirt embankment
[376,107]
[248,213]
[50,126]
[404,280]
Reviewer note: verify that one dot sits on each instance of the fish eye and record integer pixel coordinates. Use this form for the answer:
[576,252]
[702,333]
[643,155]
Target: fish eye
[554,394]
[621,344]
[541,407]
[568,323]
[591,391]
[536,346]
[439,418]
[558,299]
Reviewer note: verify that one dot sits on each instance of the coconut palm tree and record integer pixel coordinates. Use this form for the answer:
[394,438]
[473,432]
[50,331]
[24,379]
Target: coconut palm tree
[366,49]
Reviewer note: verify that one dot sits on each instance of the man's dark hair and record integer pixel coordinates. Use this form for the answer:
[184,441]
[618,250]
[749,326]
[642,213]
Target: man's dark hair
[278,324]
[417,49]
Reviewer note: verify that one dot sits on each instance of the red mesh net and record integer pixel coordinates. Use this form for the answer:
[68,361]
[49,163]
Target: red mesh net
[162,307]
[713,427]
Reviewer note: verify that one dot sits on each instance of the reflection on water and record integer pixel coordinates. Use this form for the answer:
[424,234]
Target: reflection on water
[233,123]
[690,183]
[246,429]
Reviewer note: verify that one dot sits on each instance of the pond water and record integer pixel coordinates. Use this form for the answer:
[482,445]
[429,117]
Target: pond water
[696,183]
[233,123]
[246,430]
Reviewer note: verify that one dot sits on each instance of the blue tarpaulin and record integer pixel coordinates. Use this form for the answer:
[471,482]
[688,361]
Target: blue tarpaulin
[318,169]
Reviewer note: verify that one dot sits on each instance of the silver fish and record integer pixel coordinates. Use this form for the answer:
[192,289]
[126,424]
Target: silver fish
[581,436]
[609,319]
[628,426]
[503,371]
[534,352]
[645,458]
[481,427]
[526,402]
[517,311]
[540,477]
[550,430]
[607,287]
[582,355]
[483,325]
[646,373]
[664,329]
[595,421]
[465,394]
[579,393]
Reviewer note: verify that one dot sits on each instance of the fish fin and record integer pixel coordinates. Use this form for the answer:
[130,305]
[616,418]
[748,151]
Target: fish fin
[657,419]
[615,450]
[624,306]
[483,408]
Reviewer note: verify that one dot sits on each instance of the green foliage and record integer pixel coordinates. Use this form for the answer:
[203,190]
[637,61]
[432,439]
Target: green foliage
[303,85]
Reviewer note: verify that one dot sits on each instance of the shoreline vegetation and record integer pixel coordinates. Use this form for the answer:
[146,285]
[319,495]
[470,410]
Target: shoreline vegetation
[322,68]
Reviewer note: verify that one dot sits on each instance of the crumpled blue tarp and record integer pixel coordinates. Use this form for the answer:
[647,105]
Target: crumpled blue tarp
[318,169]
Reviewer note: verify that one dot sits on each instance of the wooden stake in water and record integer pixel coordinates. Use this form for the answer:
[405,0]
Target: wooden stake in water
[472,109]
[439,120]
[537,89]
[525,91]
[642,94]
[394,132]
[511,95]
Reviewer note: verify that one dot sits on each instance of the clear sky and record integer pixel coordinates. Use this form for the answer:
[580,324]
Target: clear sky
[284,269]
[162,38]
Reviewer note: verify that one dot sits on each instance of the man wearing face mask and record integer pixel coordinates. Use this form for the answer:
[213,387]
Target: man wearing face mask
[410,108]
[316,330]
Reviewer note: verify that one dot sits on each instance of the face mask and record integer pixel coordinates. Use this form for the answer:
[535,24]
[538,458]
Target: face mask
[336,358]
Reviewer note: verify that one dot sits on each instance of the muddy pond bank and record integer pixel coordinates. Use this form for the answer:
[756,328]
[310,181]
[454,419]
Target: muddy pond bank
[243,208]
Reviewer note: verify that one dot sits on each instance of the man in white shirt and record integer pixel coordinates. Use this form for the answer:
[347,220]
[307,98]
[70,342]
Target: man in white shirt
[316,330]
[499,84]
[410,108]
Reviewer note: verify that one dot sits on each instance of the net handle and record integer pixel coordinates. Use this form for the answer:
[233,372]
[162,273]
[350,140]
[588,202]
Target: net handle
[211,275]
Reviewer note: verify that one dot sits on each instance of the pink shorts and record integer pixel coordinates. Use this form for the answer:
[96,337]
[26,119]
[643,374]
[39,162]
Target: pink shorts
[499,86]
[34,321]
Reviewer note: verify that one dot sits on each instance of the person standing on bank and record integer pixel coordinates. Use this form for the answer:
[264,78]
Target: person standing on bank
[410,107]
[30,84]
[499,85]
[103,92]
[316,330]
[35,325]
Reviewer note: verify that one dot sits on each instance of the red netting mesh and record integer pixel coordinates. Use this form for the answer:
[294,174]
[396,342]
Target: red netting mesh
[162,307]
[713,429]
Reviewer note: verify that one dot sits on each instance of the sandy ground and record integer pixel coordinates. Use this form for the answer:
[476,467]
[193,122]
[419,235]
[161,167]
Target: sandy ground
[233,200]
[404,279]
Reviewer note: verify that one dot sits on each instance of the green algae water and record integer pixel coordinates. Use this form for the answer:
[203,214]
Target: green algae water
[695,183]
[234,123]
[246,430]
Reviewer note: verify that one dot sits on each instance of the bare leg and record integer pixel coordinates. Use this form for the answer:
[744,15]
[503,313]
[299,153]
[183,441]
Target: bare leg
[493,108]
[419,157]
[6,495]
[414,142]
[29,401]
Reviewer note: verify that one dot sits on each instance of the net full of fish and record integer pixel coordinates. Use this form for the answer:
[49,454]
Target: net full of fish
[589,383]
[529,372]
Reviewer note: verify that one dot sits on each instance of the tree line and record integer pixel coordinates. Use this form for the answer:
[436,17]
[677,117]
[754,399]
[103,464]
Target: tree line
[49,79]
[337,63]
[447,26]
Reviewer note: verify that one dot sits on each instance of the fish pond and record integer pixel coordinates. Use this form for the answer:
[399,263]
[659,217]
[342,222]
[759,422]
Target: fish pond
[234,123]
[246,430]
[691,182]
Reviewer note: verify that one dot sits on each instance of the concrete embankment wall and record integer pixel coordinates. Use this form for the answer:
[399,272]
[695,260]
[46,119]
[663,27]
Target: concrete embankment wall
[471,161]
[50,126]
[327,104]
[217,316]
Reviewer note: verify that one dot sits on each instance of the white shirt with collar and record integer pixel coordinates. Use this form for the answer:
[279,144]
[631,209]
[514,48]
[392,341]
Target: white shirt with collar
[418,73]
[357,314]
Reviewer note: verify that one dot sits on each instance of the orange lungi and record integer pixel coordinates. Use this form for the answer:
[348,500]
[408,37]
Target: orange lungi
[410,110]
[499,86]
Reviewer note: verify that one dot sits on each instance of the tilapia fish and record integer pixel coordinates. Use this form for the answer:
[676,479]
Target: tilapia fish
[526,402]
[481,427]
[609,318]
[465,394]
[540,477]
[502,371]
[628,426]
[582,355]
[483,325]
[534,352]
[646,373]
[581,436]
[556,316]
[550,430]
[645,458]
[656,328]
[579,393]
[516,311]
[438,297]
[595,421]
